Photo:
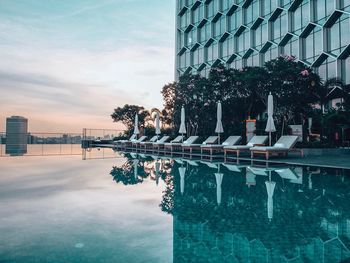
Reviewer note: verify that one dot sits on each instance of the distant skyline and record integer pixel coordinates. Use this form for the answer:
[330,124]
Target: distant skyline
[66,65]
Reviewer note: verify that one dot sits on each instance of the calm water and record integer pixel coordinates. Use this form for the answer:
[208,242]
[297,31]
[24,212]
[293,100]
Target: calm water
[134,208]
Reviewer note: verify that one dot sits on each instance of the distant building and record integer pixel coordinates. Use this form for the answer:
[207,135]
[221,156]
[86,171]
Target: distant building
[16,135]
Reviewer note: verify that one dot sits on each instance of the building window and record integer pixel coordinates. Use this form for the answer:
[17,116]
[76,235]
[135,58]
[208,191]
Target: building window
[346,5]
[280,28]
[191,38]
[269,7]
[219,27]
[226,4]
[346,71]
[212,53]
[185,20]
[252,12]
[227,47]
[242,42]
[324,8]
[260,36]
[313,45]
[292,47]
[301,17]
[286,3]
[339,35]
[212,8]
[235,20]
[198,14]
[270,54]
[328,69]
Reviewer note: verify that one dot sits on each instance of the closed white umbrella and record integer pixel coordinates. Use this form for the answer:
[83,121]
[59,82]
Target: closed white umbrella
[182,129]
[157,124]
[219,129]
[136,126]
[182,172]
[270,125]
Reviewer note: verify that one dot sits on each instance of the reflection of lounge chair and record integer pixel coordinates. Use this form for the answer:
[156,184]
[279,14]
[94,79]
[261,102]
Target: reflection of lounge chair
[210,165]
[295,176]
[160,143]
[234,168]
[177,145]
[148,143]
[256,140]
[191,146]
[259,171]
[230,141]
[284,145]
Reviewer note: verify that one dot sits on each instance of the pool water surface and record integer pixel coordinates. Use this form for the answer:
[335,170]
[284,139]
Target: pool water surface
[138,208]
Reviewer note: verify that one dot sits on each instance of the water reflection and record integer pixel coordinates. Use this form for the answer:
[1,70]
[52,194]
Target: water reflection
[240,213]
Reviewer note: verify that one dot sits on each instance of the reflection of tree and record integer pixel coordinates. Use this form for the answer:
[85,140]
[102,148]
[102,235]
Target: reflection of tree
[125,173]
[299,212]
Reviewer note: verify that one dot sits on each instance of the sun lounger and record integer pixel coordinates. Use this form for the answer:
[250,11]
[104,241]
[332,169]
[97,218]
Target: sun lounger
[160,143]
[192,146]
[144,144]
[136,143]
[255,141]
[283,146]
[120,142]
[174,145]
[232,140]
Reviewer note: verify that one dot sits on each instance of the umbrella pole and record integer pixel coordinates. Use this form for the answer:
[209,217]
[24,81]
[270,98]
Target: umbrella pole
[219,138]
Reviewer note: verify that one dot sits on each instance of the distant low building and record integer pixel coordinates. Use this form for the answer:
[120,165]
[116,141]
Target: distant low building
[16,135]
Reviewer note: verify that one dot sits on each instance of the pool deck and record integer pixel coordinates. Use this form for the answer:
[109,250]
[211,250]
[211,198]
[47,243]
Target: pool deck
[330,159]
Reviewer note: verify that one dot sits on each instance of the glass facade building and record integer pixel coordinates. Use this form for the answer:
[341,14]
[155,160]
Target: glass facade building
[248,33]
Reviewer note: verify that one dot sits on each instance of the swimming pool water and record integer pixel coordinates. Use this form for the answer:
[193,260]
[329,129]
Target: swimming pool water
[140,208]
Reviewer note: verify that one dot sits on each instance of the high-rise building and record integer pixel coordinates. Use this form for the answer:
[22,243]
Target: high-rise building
[248,33]
[16,135]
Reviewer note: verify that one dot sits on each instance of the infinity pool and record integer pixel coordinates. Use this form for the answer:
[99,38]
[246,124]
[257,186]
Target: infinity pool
[138,208]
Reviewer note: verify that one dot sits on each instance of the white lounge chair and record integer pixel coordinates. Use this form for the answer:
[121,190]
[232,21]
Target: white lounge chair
[232,140]
[284,145]
[119,142]
[144,144]
[160,143]
[192,146]
[174,145]
[136,143]
[255,141]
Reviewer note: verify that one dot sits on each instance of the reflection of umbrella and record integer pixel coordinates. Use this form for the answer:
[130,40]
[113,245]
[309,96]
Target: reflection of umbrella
[219,129]
[157,168]
[210,165]
[157,124]
[182,129]
[218,177]
[136,127]
[270,125]
[182,171]
[270,188]
[136,162]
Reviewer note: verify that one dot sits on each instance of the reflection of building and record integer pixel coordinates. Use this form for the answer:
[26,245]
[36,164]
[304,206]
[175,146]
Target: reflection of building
[16,135]
[248,33]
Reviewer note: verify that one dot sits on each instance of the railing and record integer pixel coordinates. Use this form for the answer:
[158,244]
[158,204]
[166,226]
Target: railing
[39,144]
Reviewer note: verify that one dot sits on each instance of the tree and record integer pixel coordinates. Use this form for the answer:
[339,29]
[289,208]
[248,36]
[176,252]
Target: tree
[126,115]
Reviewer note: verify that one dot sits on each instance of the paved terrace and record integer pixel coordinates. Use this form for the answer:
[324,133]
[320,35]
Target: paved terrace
[333,158]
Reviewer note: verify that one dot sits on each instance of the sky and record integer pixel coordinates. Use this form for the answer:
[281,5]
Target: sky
[65,65]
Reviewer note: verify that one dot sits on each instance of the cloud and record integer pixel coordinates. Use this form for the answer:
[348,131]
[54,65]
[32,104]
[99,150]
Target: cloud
[72,72]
